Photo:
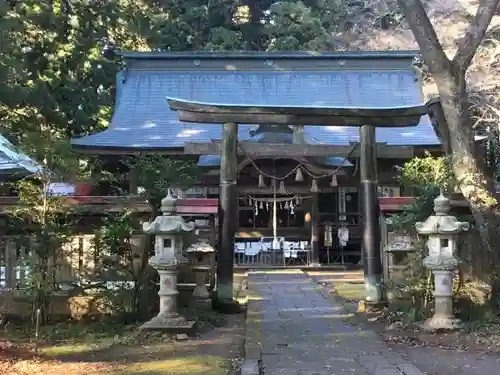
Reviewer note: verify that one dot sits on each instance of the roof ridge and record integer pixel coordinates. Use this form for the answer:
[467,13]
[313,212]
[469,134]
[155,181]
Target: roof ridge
[251,55]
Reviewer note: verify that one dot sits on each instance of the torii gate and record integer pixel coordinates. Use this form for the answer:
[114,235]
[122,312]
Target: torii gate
[367,119]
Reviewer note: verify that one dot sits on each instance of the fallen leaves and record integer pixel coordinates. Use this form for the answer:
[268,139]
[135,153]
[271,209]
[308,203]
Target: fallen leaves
[125,350]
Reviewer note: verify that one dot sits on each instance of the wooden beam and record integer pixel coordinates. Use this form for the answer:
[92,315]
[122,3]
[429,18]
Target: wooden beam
[292,190]
[315,168]
[200,112]
[387,113]
[291,119]
[388,204]
[109,204]
[89,204]
[97,150]
[340,172]
[293,150]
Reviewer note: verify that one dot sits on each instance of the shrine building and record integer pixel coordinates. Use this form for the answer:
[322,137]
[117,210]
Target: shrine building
[297,184]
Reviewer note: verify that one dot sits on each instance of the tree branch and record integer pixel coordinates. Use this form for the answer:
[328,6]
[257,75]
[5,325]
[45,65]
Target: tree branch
[439,124]
[425,36]
[475,34]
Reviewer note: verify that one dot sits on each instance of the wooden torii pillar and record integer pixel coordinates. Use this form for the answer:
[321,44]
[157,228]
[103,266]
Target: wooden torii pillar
[231,115]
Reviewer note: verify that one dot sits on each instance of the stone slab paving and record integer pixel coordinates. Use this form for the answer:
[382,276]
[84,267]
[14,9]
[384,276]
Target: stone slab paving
[431,360]
[436,361]
[300,332]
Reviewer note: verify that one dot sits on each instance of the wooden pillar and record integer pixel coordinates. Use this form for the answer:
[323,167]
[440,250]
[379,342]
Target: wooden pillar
[133,181]
[228,210]
[372,261]
[212,238]
[6,254]
[315,232]
[383,244]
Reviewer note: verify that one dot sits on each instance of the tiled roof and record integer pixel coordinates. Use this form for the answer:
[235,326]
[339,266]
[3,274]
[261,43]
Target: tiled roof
[142,119]
[14,164]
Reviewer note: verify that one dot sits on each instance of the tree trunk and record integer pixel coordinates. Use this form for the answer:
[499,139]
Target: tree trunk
[43,291]
[148,277]
[471,172]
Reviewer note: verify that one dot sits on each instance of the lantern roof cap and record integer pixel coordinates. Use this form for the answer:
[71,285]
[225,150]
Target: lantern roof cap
[441,222]
[200,247]
[168,204]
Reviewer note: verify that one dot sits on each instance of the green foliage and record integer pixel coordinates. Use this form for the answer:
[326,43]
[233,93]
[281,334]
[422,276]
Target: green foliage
[306,26]
[54,76]
[56,162]
[51,67]
[423,207]
[426,176]
[115,235]
[126,286]
[427,171]
[45,218]
[115,253]
[157,173]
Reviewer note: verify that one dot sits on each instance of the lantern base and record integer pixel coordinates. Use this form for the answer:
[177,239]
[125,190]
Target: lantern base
[315,265]
[440,323]
[200,290]
[171,322]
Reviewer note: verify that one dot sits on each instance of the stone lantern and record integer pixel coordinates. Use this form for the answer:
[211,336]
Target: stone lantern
[442,231]
[168,230]
[202,254]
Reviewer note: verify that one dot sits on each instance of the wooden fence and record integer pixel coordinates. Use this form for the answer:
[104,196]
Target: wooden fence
[75,260]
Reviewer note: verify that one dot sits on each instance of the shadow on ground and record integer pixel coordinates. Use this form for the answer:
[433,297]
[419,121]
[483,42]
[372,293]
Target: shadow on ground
[214,348]
[212,353]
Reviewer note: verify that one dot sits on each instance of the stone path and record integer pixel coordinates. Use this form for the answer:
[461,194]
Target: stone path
[300,332]
[436,361]
[430,360]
